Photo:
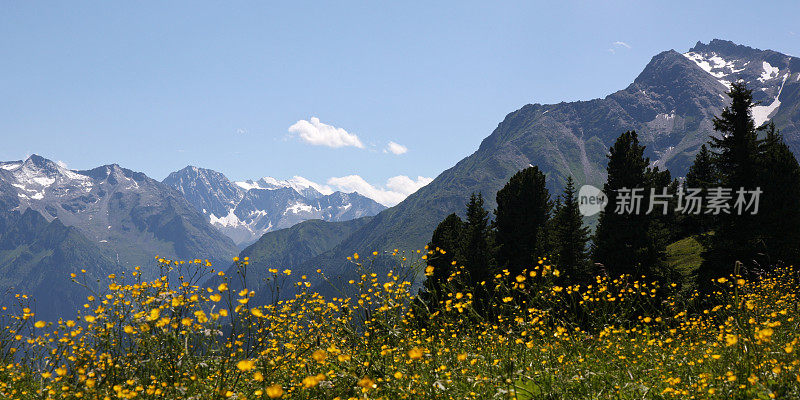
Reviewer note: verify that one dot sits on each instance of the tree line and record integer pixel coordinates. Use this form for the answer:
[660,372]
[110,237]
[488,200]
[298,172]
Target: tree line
[529,226]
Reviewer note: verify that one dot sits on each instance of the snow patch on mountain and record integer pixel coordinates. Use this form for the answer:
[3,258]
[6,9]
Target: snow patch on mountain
[297,208]
[44,181]
[761,76]
[666,116]
[298,182]
[715,65]
[761,113]
[35,177]
[247,185]
[770,72]
[705,63]
[228,221]
[10,166]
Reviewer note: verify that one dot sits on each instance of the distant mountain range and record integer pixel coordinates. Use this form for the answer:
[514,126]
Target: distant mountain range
[130,217]
[111,218]
[55,221]
[246,210]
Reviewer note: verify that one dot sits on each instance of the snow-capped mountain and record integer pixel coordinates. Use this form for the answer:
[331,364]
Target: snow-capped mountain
[246,210]
[302,185]
[766,72]
[129,216]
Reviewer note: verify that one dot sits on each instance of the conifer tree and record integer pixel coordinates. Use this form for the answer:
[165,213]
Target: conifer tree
[475,247]
[442,255]
[523,209]
[737,147]
[570,236]
[625,242]
[662,227]
[736,157]
[475,251]
[702,175]
[779,208]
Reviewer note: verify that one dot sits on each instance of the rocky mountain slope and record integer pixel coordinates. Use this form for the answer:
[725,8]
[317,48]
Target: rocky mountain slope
[130,217]
[37,258]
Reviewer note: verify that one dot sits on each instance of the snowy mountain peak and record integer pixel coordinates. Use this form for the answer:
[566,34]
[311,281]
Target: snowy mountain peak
[245,210]
[36,176]
[764,71]
[36,165]
[715,65]
[302,185]
[129,213]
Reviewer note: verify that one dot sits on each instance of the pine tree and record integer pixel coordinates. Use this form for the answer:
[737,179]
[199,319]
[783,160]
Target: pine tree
[702,175]
[779,208]
[523,209]
[475,251]
[737,147]
[442,255]
[662,226]
[736,157]
[570,236]
[627,242]
[475,248]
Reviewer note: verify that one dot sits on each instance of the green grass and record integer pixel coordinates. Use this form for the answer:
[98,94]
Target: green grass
[685,255]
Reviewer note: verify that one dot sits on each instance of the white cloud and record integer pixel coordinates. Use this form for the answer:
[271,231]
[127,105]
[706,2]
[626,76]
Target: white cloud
[395,148]
[618,44]
[316,133]
[396,189]
[241,131]
[62,164]
[404,184]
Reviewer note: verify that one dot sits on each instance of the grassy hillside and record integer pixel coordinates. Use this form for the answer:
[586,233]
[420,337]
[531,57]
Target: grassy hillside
[288,248]
[37,258]
[685,256]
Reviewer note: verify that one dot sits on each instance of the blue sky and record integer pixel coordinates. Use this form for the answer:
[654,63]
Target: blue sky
[156,86]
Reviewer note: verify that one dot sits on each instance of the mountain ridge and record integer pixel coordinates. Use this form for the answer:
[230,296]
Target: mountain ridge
[128,215]
[246,210]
